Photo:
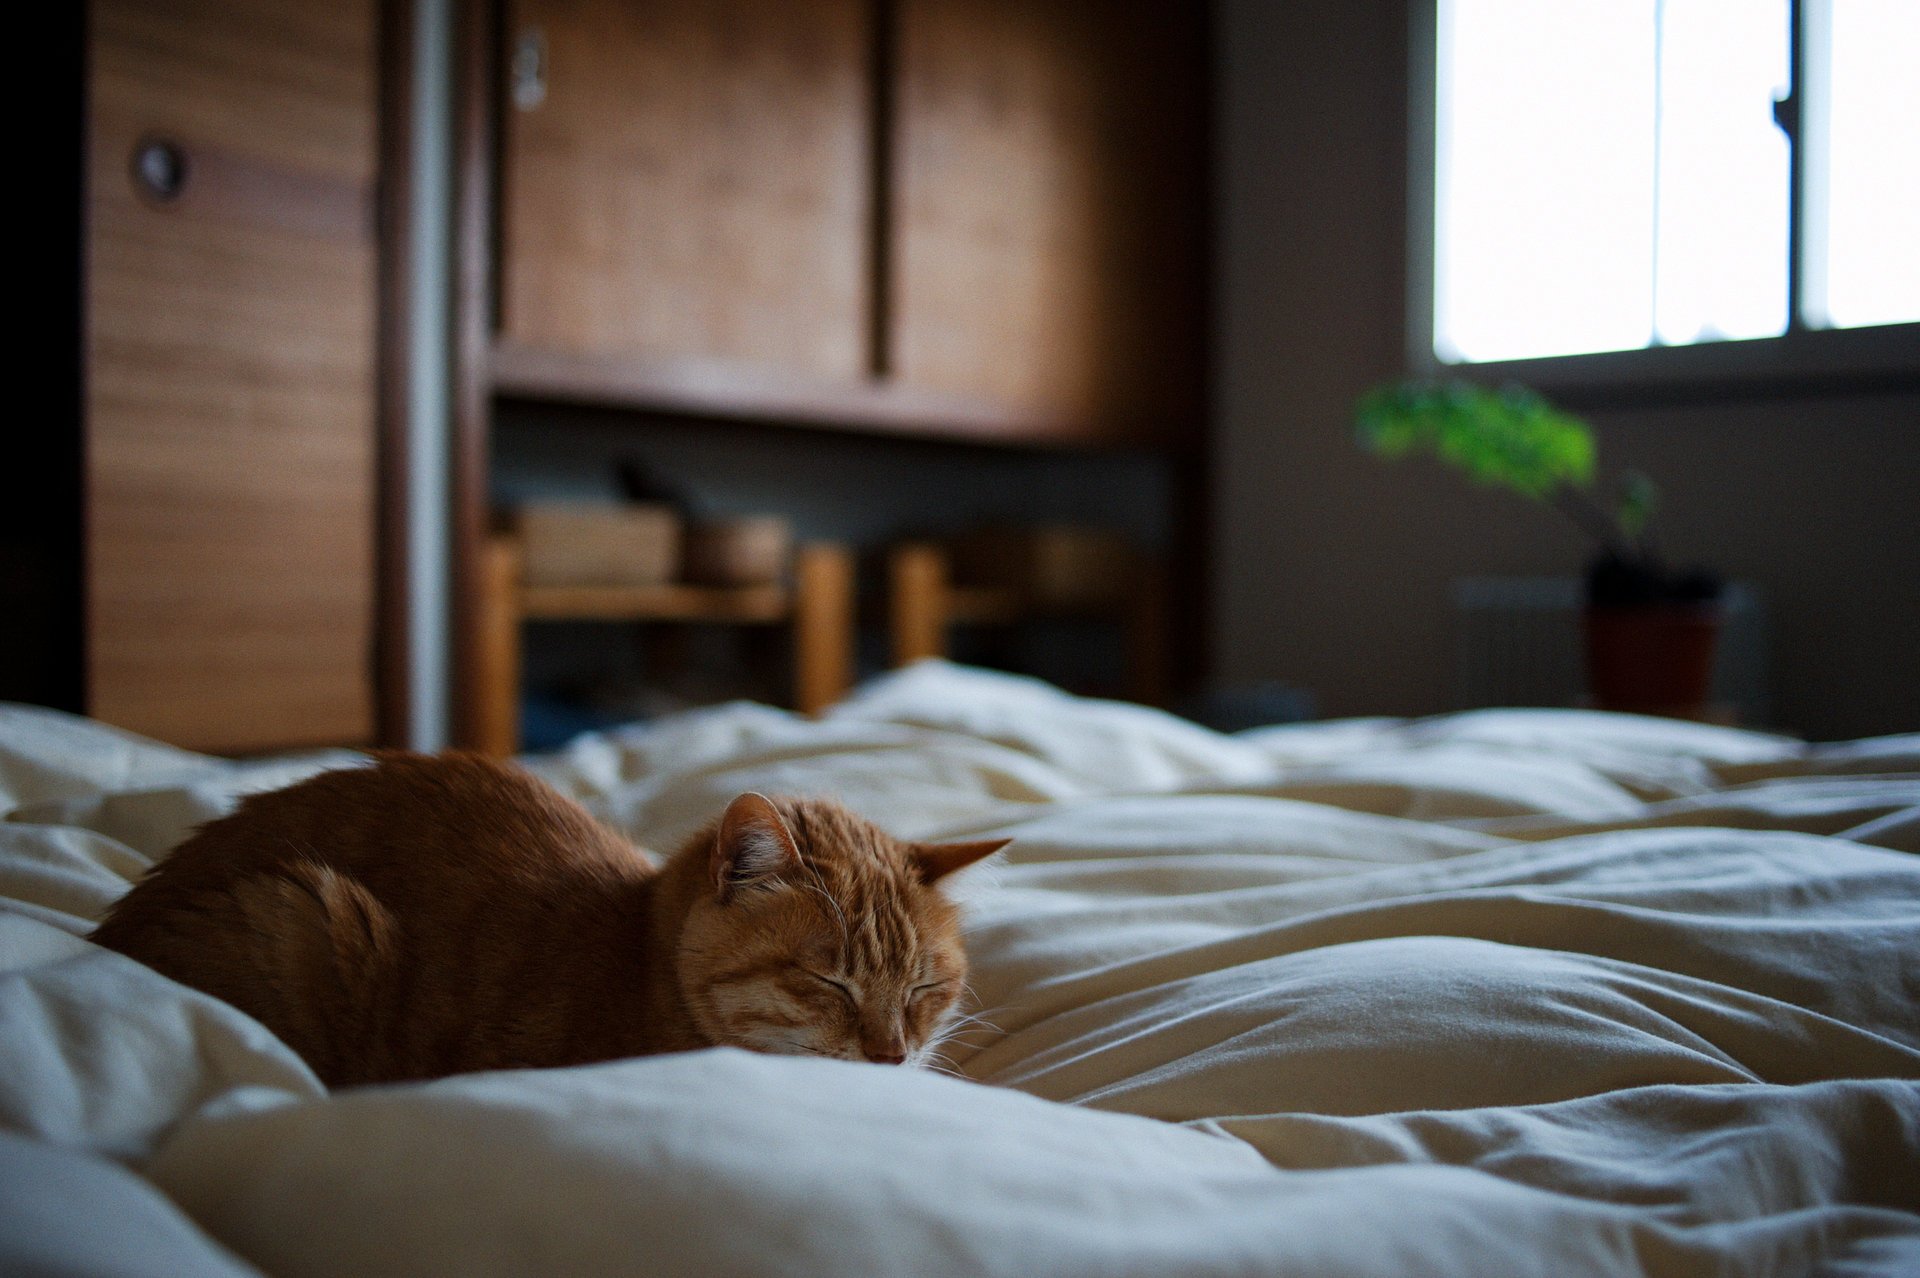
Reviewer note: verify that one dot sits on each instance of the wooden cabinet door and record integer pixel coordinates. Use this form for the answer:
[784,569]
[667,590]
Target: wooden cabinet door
[1047,230]
[230,378]
[687,181]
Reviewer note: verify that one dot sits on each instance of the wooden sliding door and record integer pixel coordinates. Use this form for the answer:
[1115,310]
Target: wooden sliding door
[686,182]
[976,217]
[1047,229]
[231,311]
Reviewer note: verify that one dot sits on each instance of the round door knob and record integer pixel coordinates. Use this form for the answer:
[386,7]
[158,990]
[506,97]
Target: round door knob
[159,168]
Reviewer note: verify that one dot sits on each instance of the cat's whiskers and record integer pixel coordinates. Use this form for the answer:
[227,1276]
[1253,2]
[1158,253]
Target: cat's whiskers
[954,1033]
[971,1019]
[962,1022]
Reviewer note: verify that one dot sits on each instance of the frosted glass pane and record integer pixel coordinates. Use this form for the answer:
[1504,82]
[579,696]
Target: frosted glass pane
[1544,177]
[1871,214]
[1724,194]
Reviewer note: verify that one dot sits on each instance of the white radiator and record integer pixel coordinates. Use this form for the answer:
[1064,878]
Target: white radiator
[1517,642]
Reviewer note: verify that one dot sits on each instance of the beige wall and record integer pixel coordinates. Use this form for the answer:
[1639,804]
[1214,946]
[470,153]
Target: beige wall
[1333,568]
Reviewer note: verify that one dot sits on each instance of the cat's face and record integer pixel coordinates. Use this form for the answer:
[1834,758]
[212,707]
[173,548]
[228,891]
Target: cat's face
[823,936]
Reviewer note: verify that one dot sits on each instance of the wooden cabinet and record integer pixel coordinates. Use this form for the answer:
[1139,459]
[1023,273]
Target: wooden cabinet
[687,180]
[1047,223]
[230,370]
[979,218]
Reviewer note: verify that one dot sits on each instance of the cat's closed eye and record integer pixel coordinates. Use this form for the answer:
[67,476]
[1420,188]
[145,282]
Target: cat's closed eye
[845,989]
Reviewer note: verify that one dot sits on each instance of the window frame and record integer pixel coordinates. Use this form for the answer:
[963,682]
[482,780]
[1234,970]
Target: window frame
[1867,358]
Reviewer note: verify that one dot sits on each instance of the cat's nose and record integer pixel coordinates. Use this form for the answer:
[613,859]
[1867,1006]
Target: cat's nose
[886,1060]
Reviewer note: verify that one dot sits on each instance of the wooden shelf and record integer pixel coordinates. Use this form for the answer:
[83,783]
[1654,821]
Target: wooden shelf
[738,605]
[743,392]
[818,606]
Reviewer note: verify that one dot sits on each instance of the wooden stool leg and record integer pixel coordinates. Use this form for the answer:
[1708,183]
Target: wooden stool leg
[497,714]
[822,625]
[917,601]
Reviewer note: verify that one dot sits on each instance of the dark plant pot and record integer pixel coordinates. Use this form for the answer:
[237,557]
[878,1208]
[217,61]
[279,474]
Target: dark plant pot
[1652,658]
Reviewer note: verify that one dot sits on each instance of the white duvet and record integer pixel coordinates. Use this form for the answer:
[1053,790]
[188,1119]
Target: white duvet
[1519,992]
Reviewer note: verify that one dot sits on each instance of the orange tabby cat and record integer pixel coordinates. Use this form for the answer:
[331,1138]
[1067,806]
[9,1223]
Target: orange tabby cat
[434,915]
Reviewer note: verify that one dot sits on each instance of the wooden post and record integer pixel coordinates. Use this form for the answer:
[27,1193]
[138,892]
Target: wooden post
[917,604]
[822,625]
[495,712]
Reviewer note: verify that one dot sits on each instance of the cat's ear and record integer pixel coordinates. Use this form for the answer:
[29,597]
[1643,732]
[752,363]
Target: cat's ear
[754,844]
[933,861]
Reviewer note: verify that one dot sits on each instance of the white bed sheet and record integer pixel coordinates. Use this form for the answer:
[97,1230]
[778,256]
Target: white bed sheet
[1499,993]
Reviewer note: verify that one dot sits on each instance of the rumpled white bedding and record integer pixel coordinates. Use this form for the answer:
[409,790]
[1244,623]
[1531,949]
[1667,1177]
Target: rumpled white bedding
[1520,992]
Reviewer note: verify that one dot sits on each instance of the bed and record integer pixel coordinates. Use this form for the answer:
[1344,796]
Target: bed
[1507,992]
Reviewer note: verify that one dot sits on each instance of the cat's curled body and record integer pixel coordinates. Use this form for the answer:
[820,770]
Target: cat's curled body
[435,915]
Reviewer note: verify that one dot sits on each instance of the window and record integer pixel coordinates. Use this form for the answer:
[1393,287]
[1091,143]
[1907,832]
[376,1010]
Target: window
[1615,175]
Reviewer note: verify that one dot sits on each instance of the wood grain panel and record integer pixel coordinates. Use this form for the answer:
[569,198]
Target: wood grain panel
[231,396]
[694,183]
[1047,233]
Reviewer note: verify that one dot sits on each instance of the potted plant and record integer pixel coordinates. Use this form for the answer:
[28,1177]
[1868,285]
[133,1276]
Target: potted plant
[1650,629]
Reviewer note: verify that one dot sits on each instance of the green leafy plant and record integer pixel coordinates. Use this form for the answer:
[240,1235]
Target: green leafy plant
[1513,438]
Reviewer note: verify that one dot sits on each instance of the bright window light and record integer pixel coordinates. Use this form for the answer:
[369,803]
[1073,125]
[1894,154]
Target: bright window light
[1723,197]
[1609,174]
[1864,192]
[1544,180]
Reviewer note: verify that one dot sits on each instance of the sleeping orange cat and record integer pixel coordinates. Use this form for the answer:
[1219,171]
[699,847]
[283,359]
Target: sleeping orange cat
[432,915]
